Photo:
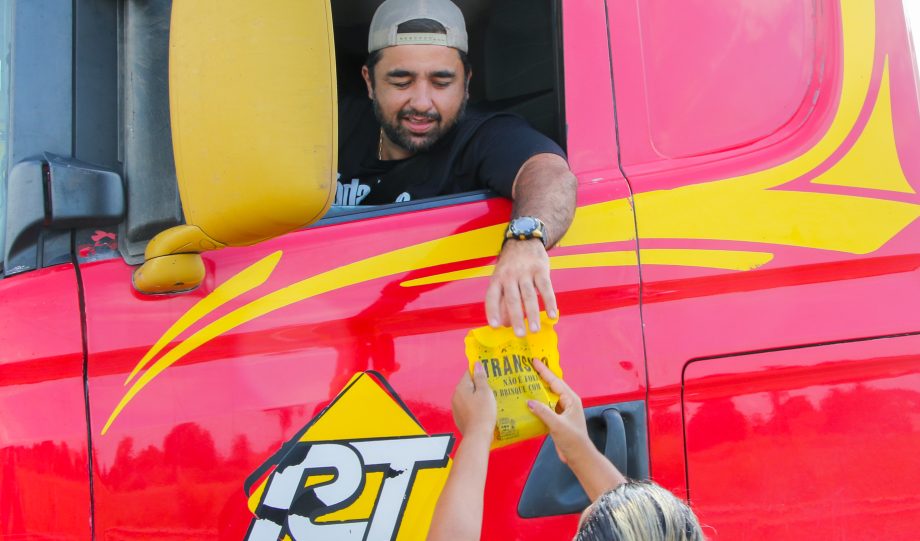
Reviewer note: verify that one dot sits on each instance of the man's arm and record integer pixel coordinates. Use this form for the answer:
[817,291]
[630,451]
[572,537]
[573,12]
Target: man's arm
[545,189]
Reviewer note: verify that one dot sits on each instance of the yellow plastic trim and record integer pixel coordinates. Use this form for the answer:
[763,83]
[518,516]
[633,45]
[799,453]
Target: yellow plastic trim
[252,94]
[172,261]
[253,110]
[183,272]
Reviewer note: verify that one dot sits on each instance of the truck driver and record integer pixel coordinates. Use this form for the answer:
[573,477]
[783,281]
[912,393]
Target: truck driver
[416,139]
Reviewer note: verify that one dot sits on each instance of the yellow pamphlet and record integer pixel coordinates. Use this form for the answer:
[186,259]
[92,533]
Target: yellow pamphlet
[507,360]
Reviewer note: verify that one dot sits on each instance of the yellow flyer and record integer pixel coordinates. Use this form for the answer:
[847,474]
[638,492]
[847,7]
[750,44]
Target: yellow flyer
[508,362]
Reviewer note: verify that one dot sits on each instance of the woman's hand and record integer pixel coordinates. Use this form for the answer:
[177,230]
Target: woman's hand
[473,404]
[567,426]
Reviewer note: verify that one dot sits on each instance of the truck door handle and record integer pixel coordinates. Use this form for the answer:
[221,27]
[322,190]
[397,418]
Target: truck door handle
[615,442]
[619,431]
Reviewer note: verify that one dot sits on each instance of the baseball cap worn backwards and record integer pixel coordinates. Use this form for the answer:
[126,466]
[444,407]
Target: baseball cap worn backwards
[392,13]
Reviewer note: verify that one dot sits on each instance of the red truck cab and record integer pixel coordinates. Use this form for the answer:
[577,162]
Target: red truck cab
[738,290]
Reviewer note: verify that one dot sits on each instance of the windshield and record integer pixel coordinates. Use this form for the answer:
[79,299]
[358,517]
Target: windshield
[6,15]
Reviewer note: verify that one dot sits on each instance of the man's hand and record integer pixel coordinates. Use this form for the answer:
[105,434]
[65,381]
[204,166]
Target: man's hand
[522,272]
[545,189]
[473,404]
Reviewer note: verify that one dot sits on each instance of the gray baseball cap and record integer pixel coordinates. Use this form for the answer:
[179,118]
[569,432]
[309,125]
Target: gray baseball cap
[393,13]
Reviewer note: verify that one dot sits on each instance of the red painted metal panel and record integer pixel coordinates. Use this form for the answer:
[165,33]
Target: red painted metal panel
[799,199]
[44,477]
[819,440]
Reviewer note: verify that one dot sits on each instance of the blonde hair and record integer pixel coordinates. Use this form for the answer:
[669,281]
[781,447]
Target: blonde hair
[639,511]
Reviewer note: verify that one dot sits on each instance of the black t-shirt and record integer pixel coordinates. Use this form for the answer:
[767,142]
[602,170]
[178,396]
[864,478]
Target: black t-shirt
[483,151]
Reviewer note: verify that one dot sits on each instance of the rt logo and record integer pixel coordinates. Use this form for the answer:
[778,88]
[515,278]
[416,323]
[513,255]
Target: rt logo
[354,488]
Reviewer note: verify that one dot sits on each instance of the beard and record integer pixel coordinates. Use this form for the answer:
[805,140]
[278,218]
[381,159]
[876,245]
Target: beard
[402,137]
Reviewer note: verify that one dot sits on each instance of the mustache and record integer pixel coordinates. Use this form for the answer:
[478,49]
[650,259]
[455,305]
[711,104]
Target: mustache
[406,113]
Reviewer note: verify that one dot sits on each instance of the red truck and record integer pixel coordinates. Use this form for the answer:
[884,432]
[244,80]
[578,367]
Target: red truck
[738,290]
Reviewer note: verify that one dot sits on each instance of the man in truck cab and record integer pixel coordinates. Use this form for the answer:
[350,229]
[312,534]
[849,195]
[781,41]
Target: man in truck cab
[414,138]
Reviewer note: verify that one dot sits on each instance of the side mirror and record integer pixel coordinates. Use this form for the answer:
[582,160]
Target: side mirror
[254,126]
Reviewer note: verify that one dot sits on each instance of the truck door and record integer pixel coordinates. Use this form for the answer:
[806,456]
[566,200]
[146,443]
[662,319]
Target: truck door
[771,145]
[193,394]
[45,487]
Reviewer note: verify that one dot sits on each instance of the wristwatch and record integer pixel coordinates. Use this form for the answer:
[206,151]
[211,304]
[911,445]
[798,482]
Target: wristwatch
[526,227]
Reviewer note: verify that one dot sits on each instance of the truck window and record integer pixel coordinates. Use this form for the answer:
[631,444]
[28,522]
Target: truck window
[515,52]
[6,16]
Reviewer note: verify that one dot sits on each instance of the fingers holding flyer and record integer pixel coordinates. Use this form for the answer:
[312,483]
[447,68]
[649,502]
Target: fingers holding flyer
[473,403]
[567,422]
[506,361]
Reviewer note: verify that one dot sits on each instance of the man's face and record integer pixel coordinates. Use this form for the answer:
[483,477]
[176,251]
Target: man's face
[419,93]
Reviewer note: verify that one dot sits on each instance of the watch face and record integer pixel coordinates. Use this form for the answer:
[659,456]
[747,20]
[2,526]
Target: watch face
[523,226]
